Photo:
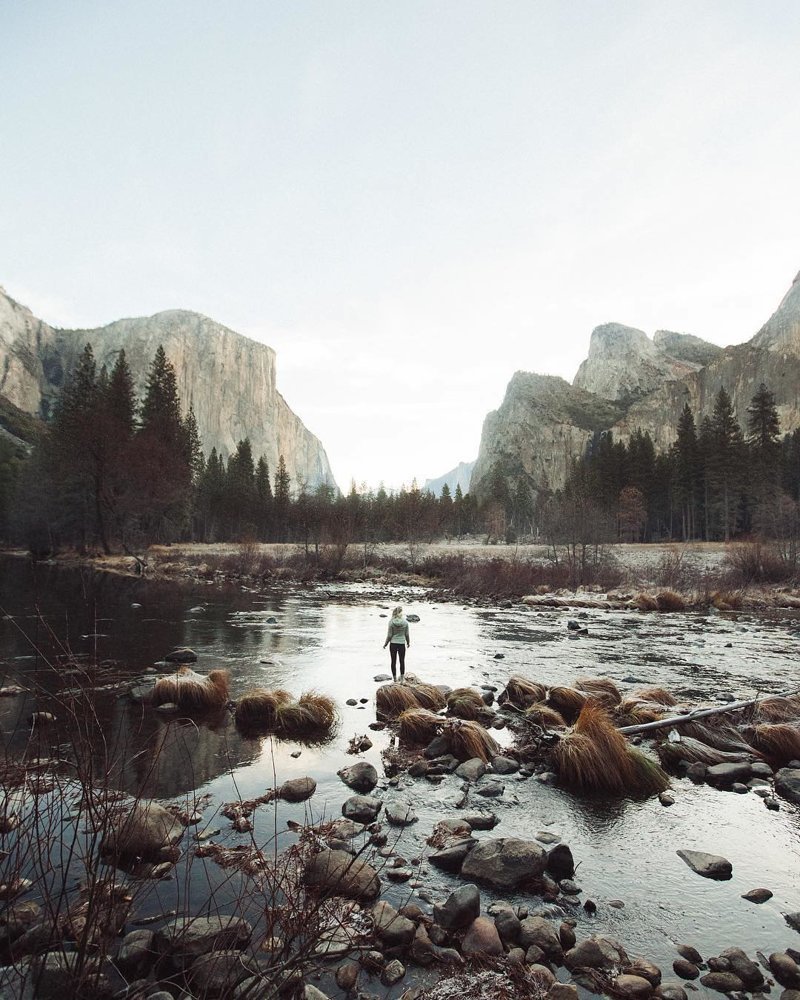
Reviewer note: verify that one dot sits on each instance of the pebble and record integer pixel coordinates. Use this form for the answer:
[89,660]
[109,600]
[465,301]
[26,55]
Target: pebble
[757,895]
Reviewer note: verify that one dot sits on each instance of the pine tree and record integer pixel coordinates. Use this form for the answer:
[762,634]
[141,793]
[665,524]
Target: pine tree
[263,499]
[687,472]
[726,462]
[763,442]
[282,500]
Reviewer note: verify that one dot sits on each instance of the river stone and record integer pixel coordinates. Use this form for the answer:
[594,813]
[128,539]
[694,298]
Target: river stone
[312,993]
[393,973]
[785,969]
[482,938]
[594,953]
[423,951]
[633,986]
[560,863]
[671,990]
[339,873]
[143,830]
[690,953]
[17,919]
[482,820]
[471,769]
[540,932]
[505,765]
[566,935]
[400,813]
[419,768]
[297,789]
[757,895]
[220,972]
[394,930]
[722,982]
[361,776]
[362,808]
[727,773]
[137,954]
[460,908]
[761,769]
[787,783]
[508,926]
[181,655]
[562,991]
[685,969]
[504,863]
[645,969]
[747,970]
[708,865]
[347,976]
[452,857]
[184,939]
[55,973]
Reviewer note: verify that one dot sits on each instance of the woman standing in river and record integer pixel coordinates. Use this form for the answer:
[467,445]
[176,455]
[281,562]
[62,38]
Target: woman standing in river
[397,638]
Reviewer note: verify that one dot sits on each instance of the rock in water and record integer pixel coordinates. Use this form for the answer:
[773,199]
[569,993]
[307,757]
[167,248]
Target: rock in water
[144,830]
[787,783]
[708,865]
[505,862]
[339,873]
[361,776]
[460,909]
[297,789]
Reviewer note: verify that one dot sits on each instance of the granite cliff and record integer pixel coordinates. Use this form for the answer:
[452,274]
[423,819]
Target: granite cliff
[228,379]
[629,382]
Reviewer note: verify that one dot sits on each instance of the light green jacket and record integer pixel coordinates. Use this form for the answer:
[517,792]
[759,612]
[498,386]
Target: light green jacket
[398,632]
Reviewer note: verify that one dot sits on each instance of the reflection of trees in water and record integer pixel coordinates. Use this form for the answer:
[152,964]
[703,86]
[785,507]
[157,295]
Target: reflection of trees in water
[599,816]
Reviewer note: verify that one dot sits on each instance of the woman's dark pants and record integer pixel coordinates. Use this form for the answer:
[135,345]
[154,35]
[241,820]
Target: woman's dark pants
[395,649]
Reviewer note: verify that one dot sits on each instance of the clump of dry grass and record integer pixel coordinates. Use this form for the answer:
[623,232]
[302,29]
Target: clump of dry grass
[692,751]
[602,689]
[596,757]
[634,712]
[192,692]
[391,700]
[428,695]
[464,703]
[258,709]
[263,711]
[718,732]
[522,692]
[468,739]
[418,726]
[780,741]
[777,709]
[658,695]
[566,701]
[645,602]
[544,716]
[726,600]
[320,708]
[669,600]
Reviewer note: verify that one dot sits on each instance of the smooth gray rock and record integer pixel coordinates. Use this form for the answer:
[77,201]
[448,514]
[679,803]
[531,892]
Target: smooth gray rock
[727,773]
[460,908]
[505,765]
[297,789]
[505,863]
[361,776]
[482,938]
[452,857]
[708,865]
[471,770]
[393,929]
[787,784]
[540,932]
[399,813]
[757,895]
[137,953]
[362,808]
[186,938]
[340,873]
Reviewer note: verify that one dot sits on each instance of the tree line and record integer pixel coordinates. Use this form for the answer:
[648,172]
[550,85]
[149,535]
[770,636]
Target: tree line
[113,472]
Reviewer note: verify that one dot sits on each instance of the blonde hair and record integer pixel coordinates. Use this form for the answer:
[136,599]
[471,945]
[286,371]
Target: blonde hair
[397,613]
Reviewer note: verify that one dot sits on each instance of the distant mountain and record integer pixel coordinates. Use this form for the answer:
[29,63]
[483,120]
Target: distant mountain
[629,382]
[228,379]
[460,476]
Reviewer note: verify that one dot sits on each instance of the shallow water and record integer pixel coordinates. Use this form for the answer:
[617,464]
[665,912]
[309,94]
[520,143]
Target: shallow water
[330,639]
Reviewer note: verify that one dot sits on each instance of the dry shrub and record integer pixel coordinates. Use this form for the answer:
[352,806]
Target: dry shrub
[676,570]
[658,695]
[596,757]
[418,726]
[645,602]
[544,716]
[602,689]
[522,692]
[566,701]
[427,695]
[777,709]
[726,600]
[468,739]
[392,700]
[747,563]
[192,692]
[692,751]
[779,741]
[668,600]
[258,709]
[465,703]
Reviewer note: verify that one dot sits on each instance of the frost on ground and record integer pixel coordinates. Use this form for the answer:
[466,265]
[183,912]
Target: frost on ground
[492,982]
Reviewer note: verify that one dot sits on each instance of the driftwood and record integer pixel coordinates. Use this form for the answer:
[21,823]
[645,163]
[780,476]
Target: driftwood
[700,713]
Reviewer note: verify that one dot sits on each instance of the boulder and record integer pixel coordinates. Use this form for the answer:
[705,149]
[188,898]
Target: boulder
[757,895]
[505,765]
[394,930]
[341,874]
[785,970]
[595,953]
[562,991]
[793,920]
[452,857]
[181,655]
[218,973]
[645,969]
[137,954]
[726,774]
[481,820]
[184,939]
[505,863]
[560,863]
[743,967]
[690,953]
[472,769]
[633,986]
[685,969]
[787,783]
[540,932]
[361,776]
[722,982]
[400,813]
[508,926]
[144,830]
[297,789]
[362,808]
[708,865]
[460,909]
[482,938]
[347,976]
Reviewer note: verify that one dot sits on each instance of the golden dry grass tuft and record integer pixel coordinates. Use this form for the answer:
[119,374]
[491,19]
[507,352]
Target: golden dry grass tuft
[726,600]
[464,703]
[596,757]
[418,726]
[391,700]
[544,716]
[321,708]
[780,741]
[468,739]
[522,692]
[192,692]
[645,602]
[669,600]
[602,689]
[427,695]
[258,709]
[658,695]
[692,751]
[777,709]
[718,732]
[263,711]
[566,701]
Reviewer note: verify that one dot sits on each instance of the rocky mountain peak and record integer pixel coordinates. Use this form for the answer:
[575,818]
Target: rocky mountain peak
[781,332]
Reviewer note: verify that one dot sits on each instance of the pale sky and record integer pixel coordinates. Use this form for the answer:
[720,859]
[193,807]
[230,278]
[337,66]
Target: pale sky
[408,200]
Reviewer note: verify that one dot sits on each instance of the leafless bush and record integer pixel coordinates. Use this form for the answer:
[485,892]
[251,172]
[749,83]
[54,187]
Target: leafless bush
[754,562]
[676,570]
